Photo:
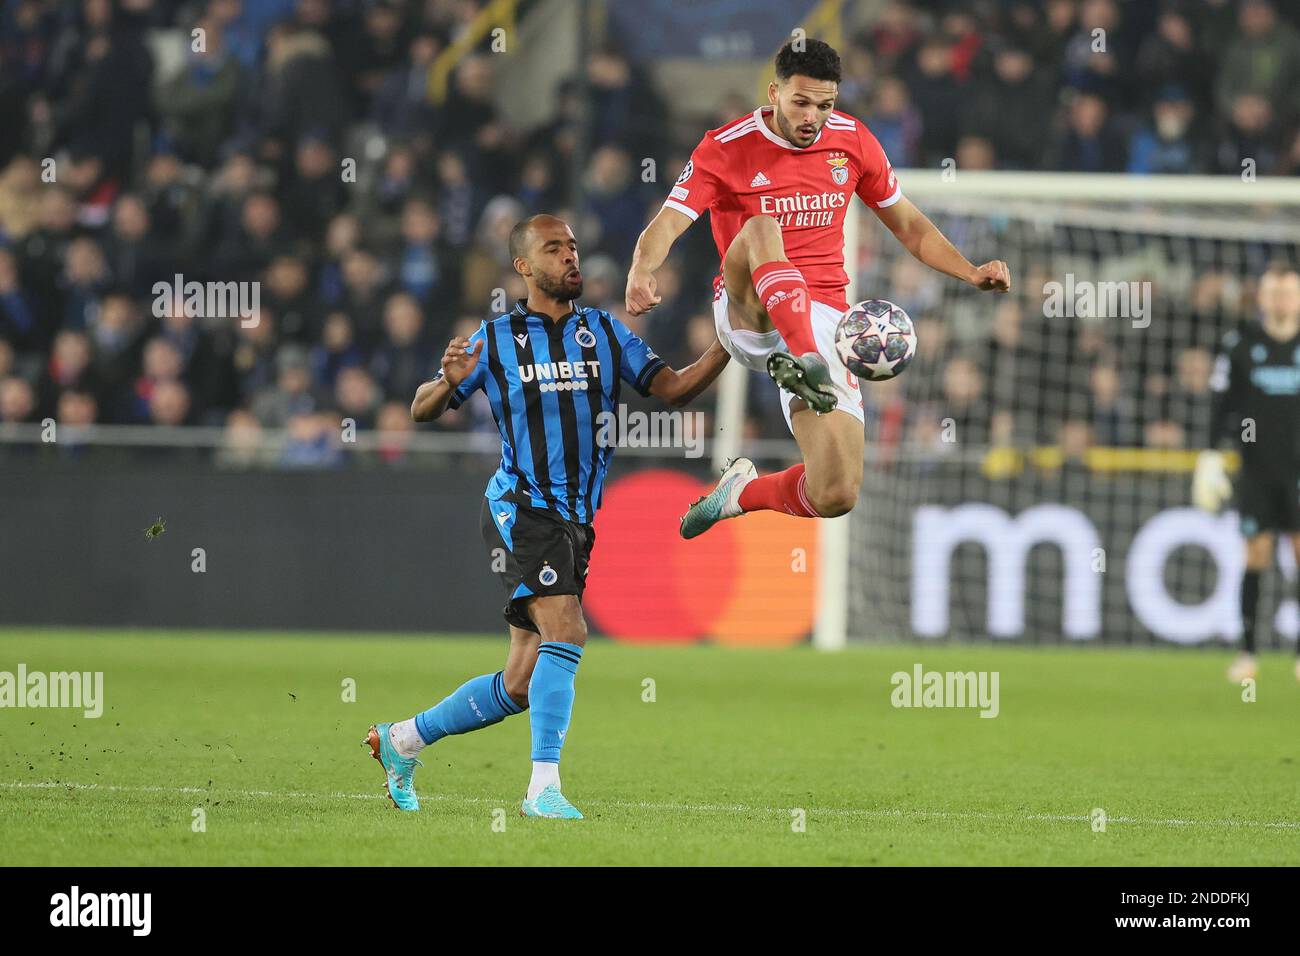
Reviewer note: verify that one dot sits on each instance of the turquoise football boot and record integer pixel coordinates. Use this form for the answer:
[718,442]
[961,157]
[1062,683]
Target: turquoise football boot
[550,803]
[399,770]
[722,502]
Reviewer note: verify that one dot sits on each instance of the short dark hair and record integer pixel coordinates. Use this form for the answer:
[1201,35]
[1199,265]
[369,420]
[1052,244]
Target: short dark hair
[519,237]
[817,61]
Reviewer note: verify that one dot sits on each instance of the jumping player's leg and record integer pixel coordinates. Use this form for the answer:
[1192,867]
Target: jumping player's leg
[563,631]
[766,290]
[832,448]
[826,483]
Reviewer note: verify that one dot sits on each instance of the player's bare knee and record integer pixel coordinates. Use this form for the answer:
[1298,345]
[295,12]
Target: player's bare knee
[517,687]
[560,620]
[761,226]
[760,239]
[568,631]
[833,499]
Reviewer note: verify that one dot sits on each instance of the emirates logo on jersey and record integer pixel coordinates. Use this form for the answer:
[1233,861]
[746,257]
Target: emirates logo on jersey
[803,210]
[800,202]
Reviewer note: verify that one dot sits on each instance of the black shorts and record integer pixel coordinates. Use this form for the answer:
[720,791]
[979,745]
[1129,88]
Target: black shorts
[1268,499]
[535,551]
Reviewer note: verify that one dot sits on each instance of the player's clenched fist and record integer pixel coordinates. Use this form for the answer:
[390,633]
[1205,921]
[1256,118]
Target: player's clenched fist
[993,277]
[459,360]
[641,296]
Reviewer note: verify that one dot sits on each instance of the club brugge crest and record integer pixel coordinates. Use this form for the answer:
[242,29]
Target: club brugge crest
[547,577]
[839,169]
[586,338]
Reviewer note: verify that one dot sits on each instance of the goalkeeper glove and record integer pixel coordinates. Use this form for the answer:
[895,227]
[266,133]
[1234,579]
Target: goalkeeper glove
[1210,484]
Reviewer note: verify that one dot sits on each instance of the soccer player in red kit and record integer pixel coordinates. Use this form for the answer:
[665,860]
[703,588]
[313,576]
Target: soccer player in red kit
[777,183]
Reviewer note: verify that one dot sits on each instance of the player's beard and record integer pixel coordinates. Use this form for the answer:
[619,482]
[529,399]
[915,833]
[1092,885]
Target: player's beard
[558,289]
[791,132]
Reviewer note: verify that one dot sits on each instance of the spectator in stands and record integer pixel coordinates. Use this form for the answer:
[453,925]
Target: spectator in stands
[1089,143]
[18,320]
[169,404]
[1172,57]
[17,400]
[313,442]
[83,281]
[941,102]
[336,351]
[1112,414]
[301,91]
[356,396]
[615,200]
[895,123]
[249,247]
[420,267]
[197,104]
[401,104]
[69,367]
[1009,109]
[1251,139]
[404,358]
[315,192]
[1170,142]
[287,291]
[1263,61]
[292,395]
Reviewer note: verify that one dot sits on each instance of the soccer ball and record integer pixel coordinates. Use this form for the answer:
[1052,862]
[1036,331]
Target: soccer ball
[875,339]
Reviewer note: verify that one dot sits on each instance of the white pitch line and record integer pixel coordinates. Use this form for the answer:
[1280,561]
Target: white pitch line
[688,807]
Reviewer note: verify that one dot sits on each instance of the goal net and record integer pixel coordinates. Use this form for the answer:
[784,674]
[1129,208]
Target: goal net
[1028,477]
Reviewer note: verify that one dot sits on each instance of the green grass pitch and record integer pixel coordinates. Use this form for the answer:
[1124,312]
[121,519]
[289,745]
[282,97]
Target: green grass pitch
[252,729]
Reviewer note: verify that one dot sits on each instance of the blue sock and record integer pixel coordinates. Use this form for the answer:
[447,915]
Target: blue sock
[550,698]
[480,702]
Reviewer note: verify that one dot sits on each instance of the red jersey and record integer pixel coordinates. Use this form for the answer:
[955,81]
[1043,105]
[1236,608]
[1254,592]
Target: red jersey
[743,169]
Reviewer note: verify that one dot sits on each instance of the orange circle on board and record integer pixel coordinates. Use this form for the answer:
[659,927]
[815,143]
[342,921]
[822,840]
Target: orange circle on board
[748,581]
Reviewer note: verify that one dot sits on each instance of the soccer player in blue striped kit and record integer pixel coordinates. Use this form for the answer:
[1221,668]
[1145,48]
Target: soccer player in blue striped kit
[552,372]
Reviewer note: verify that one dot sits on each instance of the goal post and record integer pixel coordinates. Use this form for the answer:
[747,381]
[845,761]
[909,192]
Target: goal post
[830,626]
[1028,477]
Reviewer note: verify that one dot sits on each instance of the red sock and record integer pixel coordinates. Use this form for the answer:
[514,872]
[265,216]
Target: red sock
[781,491]
[784,295]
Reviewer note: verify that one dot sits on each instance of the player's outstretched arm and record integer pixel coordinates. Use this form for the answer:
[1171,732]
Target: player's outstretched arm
[680,387]
[923,240]
[651,250]
[458,361]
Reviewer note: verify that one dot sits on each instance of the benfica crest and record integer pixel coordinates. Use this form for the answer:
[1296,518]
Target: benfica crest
[839,169]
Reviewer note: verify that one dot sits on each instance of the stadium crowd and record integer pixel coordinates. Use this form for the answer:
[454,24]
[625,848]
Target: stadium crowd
[129,154]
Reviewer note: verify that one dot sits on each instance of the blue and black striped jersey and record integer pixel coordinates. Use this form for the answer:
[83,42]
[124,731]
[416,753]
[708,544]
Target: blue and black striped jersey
[548,383]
